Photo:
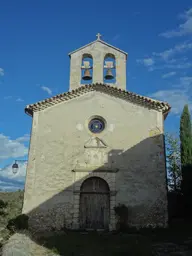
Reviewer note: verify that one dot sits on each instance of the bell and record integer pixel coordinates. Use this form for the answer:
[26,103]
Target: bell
[109,75]
[87,75]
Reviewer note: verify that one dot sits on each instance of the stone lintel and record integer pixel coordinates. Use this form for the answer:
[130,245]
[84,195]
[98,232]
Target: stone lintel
[112,193]
[102,169]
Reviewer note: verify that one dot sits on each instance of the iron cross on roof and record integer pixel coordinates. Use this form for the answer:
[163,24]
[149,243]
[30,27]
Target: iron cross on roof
[98,36]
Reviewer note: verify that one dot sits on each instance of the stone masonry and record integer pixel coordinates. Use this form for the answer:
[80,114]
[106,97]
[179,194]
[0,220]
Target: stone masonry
[98,50]
[57,168]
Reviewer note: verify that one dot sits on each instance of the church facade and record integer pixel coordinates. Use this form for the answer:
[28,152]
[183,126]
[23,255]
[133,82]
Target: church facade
[96,147]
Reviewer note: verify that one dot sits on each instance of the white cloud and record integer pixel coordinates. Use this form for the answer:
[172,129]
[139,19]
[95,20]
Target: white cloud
[9,187]
[177,96]
[46,89]
[169,59]
[186,82]
[146,62]
[2,72]
[183,65]
[179,48]
[19,100]
[177,64]
[166,58]
[11,148]
[7,97]
[24,138]
[11,97]
[184,28]
[165,55]
[170,74]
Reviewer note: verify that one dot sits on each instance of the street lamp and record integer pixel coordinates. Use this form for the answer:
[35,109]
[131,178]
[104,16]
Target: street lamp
[15,166]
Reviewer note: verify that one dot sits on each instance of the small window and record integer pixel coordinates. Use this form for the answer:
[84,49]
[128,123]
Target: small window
[96,125]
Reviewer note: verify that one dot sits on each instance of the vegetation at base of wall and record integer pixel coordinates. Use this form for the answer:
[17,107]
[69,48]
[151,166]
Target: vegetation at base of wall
[14,202]
[3,206]
[121,212]
[173,158]
[55,250]
[97,244]
[18,223]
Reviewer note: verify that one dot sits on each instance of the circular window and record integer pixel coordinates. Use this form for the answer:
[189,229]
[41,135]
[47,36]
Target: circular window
[96,125]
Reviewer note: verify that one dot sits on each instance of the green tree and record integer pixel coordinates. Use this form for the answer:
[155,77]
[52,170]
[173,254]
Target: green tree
[173,159]
[186,158]
[185,138]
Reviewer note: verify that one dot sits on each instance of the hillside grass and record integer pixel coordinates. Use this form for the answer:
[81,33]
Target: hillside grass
[14,207]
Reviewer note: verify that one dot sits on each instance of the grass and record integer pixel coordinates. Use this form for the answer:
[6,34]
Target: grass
[115,244]
[133,242]
[15,202]
[75,243]
[13,209]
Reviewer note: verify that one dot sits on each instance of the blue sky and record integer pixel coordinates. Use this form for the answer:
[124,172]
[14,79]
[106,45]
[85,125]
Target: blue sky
[36,37]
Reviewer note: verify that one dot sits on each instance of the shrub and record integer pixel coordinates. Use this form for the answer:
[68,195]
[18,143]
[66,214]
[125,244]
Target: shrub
[55,250]
[121,212]
[3,206]
[18,223]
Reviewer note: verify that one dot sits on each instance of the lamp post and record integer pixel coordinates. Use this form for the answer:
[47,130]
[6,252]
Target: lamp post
[15,166]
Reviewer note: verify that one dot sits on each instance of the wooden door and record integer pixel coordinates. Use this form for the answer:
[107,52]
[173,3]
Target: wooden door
[94,204]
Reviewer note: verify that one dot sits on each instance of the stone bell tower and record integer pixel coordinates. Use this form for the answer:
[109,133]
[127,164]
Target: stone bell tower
[98,62]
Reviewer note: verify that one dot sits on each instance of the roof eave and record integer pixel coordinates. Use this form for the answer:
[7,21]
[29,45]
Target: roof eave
[164,107]
[29,112]
[166,112]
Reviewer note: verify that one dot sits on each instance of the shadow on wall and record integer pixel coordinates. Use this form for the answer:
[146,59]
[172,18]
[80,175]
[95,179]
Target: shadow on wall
[136,177]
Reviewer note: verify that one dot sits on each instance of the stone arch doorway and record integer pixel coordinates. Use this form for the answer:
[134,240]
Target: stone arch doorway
[94,204]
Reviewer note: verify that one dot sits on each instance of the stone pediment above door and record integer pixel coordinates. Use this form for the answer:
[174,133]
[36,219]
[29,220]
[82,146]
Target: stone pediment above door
[95,142]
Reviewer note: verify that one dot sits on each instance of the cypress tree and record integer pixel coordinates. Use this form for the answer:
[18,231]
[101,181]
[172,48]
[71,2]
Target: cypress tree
[185,138]
[186,159]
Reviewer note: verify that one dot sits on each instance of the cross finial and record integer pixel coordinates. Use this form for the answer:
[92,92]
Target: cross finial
[98,36]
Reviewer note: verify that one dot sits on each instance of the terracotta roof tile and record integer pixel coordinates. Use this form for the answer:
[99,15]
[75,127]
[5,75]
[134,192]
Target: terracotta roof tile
[111,90]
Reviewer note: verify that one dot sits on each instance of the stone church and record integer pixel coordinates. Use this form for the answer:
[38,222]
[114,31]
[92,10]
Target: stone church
[96,147]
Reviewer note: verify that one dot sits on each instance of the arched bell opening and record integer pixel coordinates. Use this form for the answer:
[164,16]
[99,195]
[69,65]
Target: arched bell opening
[94,204]
[109,68]
[87,69]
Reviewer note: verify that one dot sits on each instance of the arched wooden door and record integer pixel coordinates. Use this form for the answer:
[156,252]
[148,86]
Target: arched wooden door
[94,204]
